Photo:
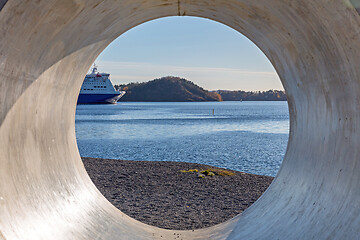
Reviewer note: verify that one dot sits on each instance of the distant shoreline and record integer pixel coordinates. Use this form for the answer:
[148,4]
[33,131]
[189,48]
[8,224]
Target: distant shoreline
[176,89]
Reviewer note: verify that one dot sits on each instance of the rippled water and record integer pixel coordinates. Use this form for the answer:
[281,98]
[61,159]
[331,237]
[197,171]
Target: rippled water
[245,136]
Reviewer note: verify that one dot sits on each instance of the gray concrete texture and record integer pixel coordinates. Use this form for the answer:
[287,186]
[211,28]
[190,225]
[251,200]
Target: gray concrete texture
[46,48]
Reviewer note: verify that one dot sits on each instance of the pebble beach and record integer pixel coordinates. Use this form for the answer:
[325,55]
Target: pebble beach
[175,195]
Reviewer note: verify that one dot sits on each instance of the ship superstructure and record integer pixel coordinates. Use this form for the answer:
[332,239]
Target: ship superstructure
[97,88]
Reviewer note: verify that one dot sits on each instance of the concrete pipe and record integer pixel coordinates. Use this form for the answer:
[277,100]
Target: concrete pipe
[47,46]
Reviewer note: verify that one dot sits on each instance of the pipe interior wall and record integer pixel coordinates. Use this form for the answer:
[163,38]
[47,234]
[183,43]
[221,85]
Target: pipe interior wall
[45,50]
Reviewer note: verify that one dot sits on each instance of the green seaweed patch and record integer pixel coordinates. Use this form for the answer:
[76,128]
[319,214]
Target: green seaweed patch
[211,172]
[208,173]
[220,172]
[189,171]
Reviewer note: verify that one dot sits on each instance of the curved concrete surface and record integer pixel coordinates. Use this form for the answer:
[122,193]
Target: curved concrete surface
[46,48]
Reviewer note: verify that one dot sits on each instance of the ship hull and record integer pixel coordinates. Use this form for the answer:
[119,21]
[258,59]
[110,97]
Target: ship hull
[98,98]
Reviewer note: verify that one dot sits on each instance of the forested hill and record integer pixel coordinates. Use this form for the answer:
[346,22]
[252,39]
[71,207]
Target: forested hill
[175,89]
[167,89]
[271,95]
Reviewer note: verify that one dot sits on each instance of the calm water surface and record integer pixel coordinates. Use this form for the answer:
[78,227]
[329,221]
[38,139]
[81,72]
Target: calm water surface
[244,136]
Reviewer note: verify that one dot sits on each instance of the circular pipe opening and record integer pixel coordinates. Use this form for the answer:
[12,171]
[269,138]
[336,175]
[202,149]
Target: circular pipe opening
[244,136]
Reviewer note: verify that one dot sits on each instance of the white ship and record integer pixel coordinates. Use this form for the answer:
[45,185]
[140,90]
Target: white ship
[97,88]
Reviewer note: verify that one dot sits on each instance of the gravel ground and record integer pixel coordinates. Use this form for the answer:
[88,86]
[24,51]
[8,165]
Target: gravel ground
[159,194]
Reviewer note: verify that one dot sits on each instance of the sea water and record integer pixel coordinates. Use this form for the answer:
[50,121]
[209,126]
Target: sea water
[244,136]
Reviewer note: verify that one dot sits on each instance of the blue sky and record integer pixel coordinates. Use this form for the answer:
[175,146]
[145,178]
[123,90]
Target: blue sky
[208,53]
